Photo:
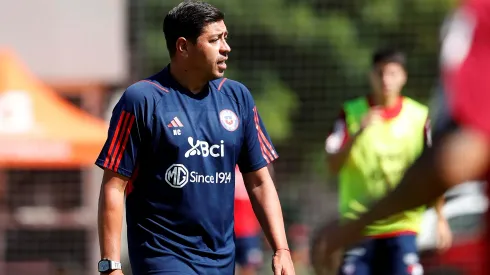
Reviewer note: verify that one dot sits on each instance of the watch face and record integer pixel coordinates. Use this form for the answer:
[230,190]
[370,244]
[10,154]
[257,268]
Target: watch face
[104,266]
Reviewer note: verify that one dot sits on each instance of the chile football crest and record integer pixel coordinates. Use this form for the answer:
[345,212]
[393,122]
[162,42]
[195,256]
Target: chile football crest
[229,120]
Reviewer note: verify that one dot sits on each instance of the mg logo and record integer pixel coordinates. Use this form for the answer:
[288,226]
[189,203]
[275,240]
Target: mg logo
[177,175]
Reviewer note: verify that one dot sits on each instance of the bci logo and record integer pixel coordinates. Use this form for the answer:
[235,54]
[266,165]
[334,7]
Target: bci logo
[202,148]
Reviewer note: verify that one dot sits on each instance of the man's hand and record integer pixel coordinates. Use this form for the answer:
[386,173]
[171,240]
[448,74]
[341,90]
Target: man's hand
[329,242]
[372,117]
[444,235]
[282,264]
[323,260]
[322,263]
[338,151]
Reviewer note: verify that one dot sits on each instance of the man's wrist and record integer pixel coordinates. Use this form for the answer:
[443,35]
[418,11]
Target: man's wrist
[112,258]
[282,249]
[106,266]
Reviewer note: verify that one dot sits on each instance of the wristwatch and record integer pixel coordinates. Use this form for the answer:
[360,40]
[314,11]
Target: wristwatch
[106,265]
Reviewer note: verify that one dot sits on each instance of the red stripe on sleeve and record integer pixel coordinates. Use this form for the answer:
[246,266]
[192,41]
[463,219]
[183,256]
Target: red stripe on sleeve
[124,143]
[108,158]
[264,138]
[119,141]
[267,143]
[265,153]
[268,146]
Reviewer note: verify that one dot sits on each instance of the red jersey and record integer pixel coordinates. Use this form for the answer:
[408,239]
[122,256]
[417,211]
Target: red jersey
[246,224]
[465,58]
[465,67]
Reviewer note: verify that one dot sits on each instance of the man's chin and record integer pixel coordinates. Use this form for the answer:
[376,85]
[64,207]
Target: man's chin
[219,74]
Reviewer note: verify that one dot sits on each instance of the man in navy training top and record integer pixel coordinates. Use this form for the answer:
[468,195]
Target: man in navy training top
[174,141]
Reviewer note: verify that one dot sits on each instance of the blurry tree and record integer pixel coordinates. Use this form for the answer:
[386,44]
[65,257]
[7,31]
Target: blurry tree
[302,58]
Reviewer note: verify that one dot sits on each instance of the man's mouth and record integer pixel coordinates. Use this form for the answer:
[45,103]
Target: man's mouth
[222,64]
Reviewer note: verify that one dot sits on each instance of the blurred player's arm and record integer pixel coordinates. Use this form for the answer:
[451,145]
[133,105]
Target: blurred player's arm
[440,201]
[461,156]
[110,214]
[444,234]
[438,207]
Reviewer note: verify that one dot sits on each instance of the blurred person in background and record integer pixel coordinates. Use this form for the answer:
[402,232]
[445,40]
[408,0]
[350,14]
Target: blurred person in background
[461,150]
[374,140]
[248,234]
[174,141]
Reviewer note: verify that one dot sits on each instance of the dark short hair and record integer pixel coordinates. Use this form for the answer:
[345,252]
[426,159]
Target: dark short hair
[389,55]
[187,20]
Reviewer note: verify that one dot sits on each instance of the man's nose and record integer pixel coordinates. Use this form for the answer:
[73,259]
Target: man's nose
[225,47]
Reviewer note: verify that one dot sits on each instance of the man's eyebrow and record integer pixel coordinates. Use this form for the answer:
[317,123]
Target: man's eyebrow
[218,34]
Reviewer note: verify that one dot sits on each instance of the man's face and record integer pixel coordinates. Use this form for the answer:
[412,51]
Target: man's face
[388,79]
[209,54]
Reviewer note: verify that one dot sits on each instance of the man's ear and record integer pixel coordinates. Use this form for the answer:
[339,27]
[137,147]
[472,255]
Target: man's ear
[182,45]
